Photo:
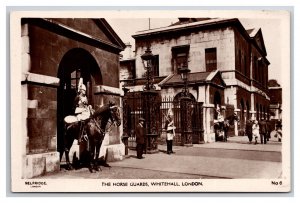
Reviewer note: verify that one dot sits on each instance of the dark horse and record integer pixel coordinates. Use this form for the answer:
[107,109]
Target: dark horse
[95,128]
[222,128]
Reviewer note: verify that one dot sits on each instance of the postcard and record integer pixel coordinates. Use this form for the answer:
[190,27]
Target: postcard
[150,101]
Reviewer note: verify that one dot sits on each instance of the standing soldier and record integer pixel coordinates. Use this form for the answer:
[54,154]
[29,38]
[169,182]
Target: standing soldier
[140,138]
[170,128]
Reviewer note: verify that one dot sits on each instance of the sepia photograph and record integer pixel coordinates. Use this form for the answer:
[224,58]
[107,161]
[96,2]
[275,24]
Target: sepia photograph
[150,101]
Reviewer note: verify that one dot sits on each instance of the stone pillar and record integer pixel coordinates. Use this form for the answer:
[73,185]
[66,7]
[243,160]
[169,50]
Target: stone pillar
[252,111]
[39,121]
[236,130]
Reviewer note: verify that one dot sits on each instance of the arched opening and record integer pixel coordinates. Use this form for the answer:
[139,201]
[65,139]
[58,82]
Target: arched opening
[248,110]
[179,95]
[76,63]
[261,111]
[217,99]
[217,103]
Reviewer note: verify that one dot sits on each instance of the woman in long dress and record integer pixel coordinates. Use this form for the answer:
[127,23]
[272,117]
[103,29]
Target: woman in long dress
[255,131]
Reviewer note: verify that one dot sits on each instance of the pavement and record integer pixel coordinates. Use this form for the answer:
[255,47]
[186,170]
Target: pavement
[235,159]
[211,166]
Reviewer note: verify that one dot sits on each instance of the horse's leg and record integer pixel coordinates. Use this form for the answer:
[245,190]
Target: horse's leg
[67,150]
[98,146]
[92,154]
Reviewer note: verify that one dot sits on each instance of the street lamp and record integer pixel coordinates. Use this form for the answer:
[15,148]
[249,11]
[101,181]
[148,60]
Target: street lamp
[147,58]
[186,107]
[184,71]
[150,107]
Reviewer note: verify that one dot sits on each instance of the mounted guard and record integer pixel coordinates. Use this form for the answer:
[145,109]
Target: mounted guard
[219,125]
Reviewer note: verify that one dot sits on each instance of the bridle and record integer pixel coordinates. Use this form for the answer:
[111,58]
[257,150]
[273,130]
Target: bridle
[112,122]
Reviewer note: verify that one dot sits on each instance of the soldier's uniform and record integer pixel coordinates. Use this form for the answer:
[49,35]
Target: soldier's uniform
[140,138]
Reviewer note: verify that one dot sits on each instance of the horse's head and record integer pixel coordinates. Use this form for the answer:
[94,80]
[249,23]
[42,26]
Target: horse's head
[115,114]
[232,118]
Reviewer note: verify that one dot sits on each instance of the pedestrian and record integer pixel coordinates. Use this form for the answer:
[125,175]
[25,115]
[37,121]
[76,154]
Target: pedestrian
[140,138]
[255,131]
[269,129]
[170,129]
[248,130]
[226,129]
[263,131]
[279,130]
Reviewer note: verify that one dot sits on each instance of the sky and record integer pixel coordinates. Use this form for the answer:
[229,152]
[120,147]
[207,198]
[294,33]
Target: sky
[125,28]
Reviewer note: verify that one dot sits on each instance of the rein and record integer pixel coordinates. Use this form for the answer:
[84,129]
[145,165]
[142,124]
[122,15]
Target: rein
[99,128]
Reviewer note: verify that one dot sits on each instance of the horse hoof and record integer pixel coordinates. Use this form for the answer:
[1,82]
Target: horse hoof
[69,167]
[91,170]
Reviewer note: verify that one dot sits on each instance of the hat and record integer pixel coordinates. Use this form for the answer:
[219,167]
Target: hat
[82,87]
[170,112]
[141,119]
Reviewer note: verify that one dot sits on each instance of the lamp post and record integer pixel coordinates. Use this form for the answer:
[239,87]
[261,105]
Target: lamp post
[184,71]
[186,108]
[150,107]
[126,132]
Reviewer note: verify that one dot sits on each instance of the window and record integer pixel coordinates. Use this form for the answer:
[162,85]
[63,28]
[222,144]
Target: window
[155,65]
[211,59]
[75,76]
[180,57]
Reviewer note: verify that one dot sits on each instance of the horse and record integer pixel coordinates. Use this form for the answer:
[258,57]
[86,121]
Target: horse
[229,121]
[95,128]
[222,127]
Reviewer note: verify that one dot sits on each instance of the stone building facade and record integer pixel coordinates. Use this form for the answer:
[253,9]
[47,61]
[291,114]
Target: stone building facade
[228,66]
[55,54]
[275,91]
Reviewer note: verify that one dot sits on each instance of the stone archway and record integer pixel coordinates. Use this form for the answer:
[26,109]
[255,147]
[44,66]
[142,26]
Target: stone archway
[76,63]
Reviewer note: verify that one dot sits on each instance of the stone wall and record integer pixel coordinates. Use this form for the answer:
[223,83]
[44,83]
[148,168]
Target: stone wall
[221,38]
[41,120]
[42,53]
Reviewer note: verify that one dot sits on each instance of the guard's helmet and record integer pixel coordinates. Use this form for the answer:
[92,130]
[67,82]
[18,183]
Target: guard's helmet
[82,87]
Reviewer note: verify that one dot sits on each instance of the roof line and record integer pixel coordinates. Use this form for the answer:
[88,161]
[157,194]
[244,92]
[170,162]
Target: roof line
[183,26]
[165,80]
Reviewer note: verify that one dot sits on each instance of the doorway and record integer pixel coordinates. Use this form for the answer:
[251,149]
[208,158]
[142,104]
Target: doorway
[76,63]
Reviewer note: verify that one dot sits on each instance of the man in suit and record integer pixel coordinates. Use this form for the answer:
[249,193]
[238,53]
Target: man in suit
[263,131]
[140,138]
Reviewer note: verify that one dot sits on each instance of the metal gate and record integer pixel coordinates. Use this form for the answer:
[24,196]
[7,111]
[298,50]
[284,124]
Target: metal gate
[134,108]
[146,105]
[195,115]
